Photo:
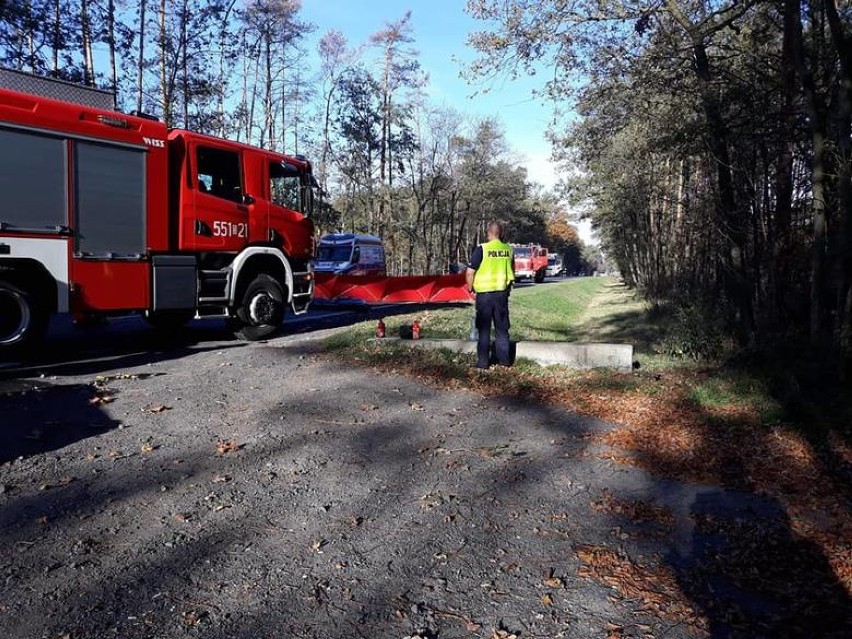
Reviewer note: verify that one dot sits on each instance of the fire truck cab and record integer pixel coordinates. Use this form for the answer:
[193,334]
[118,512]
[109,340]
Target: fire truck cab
[105,213]
[530,262]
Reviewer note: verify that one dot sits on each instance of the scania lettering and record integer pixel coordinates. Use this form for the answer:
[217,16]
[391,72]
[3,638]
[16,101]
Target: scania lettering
[106,214]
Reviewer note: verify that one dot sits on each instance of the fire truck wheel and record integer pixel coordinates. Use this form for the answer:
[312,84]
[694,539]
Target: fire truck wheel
[23,320]
[539,276]
[261,309]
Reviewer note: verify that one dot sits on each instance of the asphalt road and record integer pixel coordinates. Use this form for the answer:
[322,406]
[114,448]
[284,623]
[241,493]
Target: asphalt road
[130,339]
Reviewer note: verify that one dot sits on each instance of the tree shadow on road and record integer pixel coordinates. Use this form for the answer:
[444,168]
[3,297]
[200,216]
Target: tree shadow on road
[371,507]
[41,417]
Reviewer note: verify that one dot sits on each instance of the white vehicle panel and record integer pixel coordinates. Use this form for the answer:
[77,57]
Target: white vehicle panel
[52,253]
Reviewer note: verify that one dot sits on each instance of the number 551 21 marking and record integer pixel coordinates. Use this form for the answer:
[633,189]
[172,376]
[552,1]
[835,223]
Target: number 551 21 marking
[230,229]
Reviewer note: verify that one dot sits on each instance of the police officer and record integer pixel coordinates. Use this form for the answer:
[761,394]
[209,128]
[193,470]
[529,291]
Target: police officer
[490,276]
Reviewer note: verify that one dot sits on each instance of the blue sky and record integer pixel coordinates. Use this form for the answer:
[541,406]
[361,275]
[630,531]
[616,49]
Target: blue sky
[441,28]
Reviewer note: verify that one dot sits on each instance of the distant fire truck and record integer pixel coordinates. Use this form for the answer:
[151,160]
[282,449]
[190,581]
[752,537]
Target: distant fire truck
[105,213]
[530,262]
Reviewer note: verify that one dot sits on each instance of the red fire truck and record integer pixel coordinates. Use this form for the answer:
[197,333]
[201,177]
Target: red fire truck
[530,262]
[104,213]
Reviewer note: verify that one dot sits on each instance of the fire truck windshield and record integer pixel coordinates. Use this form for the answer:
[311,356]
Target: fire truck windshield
[522,252]
[328,253]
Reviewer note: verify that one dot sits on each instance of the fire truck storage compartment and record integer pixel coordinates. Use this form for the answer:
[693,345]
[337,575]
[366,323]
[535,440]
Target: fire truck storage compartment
[175,280]
[33,182]
[110,201]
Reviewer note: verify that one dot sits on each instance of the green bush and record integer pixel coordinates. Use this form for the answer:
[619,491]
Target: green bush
[694,333]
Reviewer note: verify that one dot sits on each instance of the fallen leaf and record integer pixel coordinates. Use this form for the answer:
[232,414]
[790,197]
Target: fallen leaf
[416,406]
[192,618]
[182,517]
[147,447]
[493,451]
[547,600]
[97,400]
[229,446]
[317,545]
[158,408]
[553,582]
[41,521]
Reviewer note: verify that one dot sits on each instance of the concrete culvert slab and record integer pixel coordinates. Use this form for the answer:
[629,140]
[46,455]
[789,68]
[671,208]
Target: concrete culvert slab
[572,354]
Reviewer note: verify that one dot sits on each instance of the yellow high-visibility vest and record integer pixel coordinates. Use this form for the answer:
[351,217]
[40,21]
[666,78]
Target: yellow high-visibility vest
[496,271]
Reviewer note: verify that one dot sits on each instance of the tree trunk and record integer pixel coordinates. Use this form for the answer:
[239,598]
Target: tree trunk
[165,93]
[843,324]
[729,216]
[86,41]
[184,61]
[268,125]
[140,65]
[113,72]
[56,40]
[816,112]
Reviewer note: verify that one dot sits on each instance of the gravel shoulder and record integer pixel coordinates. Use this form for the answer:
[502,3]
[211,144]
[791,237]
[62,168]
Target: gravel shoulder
[271,491]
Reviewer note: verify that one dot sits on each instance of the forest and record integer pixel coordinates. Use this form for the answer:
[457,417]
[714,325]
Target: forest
[425,178]
[711,148]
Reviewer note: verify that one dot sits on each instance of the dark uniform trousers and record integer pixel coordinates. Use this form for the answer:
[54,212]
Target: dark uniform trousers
[492,307]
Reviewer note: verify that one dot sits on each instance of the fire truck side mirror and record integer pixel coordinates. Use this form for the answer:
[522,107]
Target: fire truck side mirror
[248,199]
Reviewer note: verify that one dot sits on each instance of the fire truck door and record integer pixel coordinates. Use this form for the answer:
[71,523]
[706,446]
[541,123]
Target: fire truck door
[221,205]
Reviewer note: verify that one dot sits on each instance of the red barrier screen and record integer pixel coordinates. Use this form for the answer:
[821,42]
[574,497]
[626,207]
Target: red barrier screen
[421,289]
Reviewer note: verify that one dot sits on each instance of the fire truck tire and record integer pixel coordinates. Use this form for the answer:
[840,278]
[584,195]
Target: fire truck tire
[539,276]
[23,319]
[261,309]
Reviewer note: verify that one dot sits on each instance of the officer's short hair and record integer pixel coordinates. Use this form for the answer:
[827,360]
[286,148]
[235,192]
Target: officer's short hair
[496,228]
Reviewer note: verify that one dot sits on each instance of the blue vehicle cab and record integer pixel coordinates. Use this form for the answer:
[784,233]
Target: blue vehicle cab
[350,254]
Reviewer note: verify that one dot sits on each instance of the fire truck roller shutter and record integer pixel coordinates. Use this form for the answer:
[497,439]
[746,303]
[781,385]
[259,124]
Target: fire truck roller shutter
[110,190]
[33,270]
[33,182]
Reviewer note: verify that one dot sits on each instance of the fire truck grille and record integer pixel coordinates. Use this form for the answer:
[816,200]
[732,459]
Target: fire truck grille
[56,89]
